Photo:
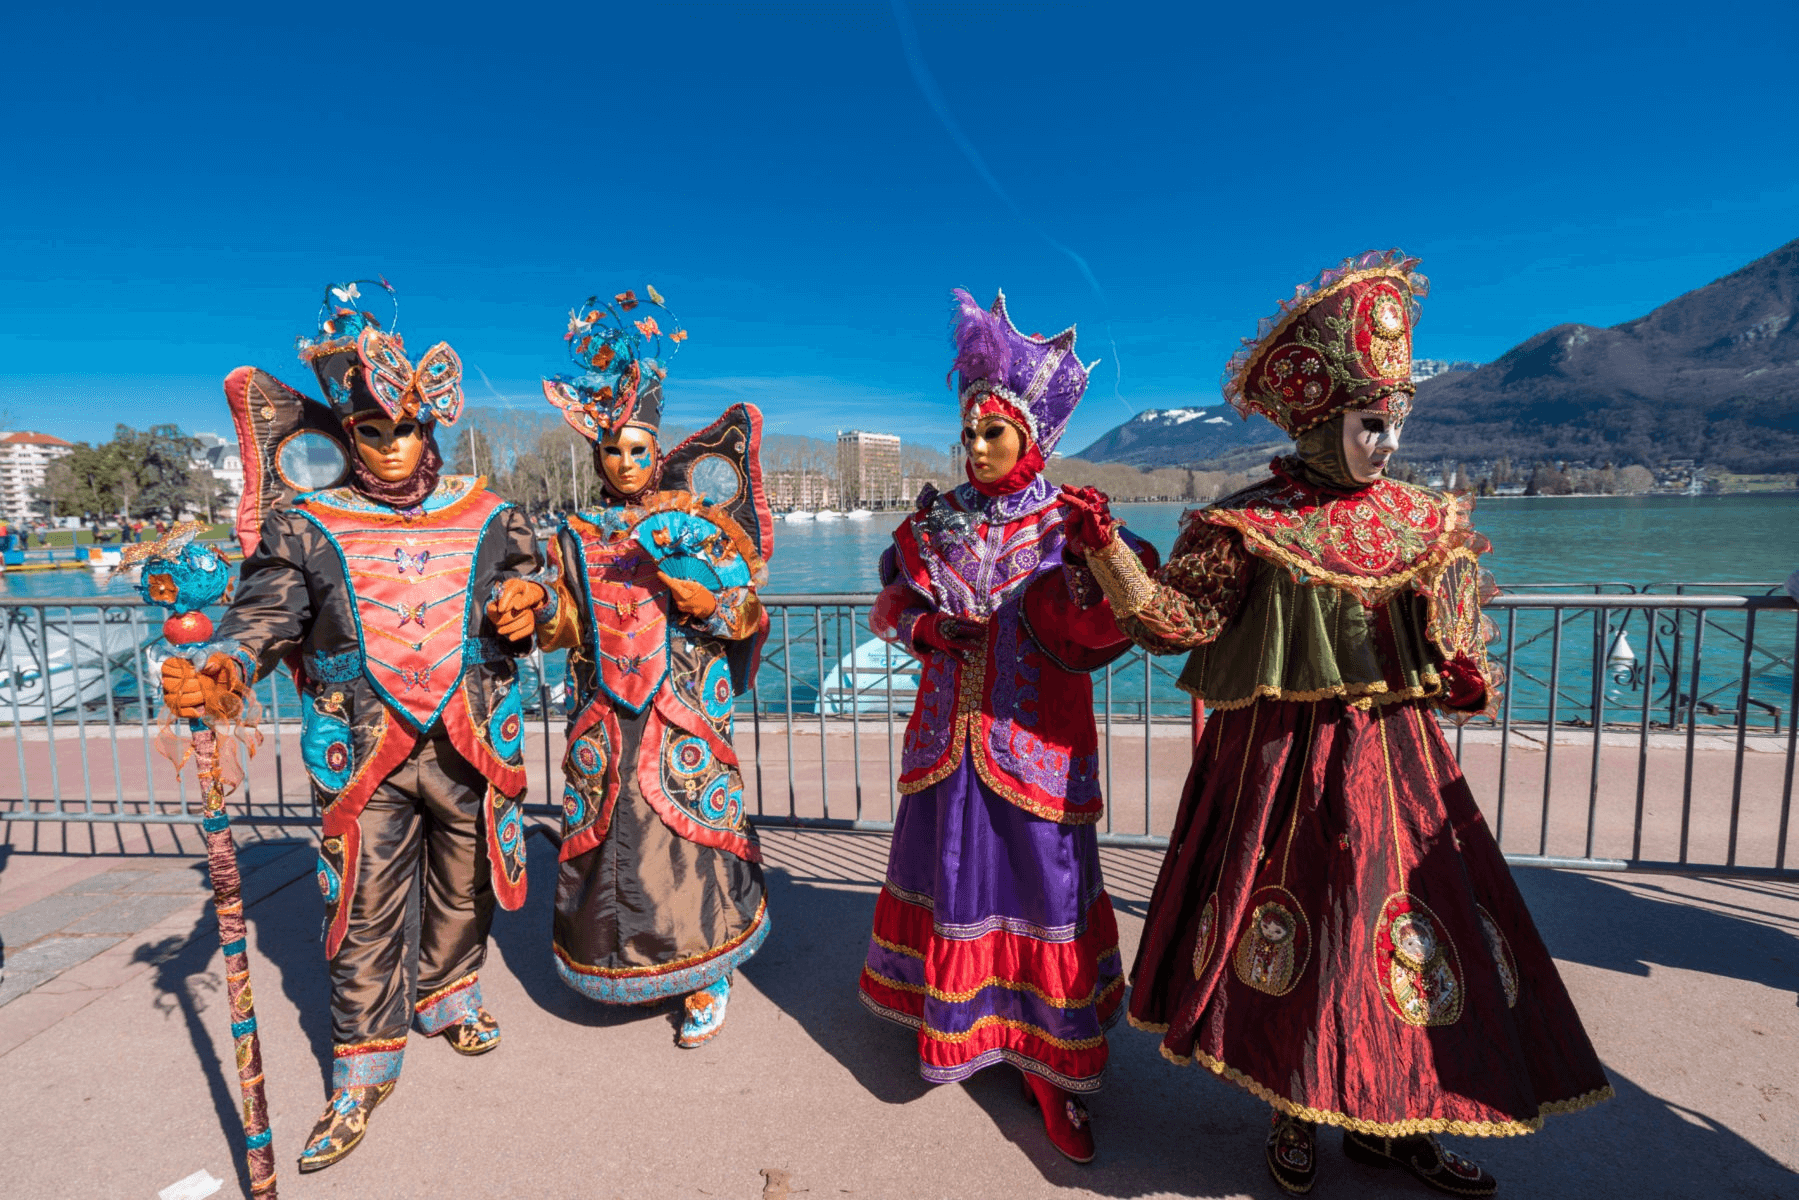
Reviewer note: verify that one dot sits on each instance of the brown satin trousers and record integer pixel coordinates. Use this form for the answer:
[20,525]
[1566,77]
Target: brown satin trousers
[423,830]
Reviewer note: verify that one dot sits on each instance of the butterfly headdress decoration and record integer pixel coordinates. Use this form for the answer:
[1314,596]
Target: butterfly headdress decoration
[616,343]
[363,366]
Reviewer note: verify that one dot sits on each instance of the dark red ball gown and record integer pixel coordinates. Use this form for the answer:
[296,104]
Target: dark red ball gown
[1334,927]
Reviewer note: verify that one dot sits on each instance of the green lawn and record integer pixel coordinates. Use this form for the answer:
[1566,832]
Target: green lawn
[84,537]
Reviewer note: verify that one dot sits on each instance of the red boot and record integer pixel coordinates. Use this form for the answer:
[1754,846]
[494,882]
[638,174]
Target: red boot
[1065,1118]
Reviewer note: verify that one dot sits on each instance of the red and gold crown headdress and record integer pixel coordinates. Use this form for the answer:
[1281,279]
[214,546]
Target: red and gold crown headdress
[1343,341]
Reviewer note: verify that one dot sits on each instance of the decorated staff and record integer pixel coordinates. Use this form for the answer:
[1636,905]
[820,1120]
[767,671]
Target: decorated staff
[185,577]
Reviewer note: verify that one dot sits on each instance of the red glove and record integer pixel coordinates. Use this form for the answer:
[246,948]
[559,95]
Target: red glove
[1464,690]
[959,636]
[1088,519]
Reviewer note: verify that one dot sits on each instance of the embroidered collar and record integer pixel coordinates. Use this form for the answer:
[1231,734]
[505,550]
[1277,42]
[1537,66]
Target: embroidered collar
[451,490]
[1371,543]
[1034,496]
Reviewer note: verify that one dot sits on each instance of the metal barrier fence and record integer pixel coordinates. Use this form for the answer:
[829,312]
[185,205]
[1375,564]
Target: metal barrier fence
[1650,731]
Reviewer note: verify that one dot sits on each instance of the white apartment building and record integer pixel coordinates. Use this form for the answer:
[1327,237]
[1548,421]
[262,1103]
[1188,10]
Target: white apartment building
[220,456]
[24,454]
[868,469]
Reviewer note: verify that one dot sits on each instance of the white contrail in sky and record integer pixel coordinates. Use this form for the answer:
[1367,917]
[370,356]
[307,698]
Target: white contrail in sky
[927,84]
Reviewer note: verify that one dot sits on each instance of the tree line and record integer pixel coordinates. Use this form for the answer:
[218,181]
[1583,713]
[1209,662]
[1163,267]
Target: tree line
[141,474]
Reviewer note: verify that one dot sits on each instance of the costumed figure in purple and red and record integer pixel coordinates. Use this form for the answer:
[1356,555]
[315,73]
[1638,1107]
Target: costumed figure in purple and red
[660,891]
[399,598]
[1334,928]
[994,937]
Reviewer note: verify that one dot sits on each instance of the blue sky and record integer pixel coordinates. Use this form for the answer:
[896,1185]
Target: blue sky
[806,182]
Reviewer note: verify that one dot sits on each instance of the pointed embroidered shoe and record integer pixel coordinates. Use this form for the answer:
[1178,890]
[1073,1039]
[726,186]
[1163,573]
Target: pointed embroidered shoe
[1425,1159]
[340,1130]
[1292,1153]
[705,1014]
[477,1035]
[1065,1119]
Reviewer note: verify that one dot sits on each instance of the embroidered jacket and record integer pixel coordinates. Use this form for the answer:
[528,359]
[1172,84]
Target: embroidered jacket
[1023,707]
[1289,590]
[653,689]
[380,615]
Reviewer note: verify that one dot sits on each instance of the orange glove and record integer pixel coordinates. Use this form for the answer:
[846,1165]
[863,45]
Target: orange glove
[690,597]
[512,612]
[215,688]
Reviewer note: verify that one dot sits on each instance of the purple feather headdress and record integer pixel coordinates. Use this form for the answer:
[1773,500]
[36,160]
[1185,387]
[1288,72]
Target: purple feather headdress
[1039,379]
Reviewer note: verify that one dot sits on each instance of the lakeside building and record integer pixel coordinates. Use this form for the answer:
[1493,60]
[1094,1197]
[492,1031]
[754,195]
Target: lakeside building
[24,456]
[220,456]
[868,469]
[804,490]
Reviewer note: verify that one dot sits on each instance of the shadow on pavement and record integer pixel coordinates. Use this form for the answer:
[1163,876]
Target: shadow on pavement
[187,988]
[1624,925]
[809,968]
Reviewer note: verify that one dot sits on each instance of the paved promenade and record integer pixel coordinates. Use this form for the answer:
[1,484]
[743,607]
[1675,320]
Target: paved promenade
[115,1054]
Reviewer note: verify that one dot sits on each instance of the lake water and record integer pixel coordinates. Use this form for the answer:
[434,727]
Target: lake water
[1624,542]
[1637,540]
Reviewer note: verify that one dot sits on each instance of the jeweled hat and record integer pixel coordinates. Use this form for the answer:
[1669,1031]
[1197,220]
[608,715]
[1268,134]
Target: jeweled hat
[1343,341]
[364,369]
[1035,380]
[623,360]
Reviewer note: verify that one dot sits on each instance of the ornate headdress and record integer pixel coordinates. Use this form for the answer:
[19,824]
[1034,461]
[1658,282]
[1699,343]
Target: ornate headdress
[1034,380]
[365,369]
[1343,341]
[622,363]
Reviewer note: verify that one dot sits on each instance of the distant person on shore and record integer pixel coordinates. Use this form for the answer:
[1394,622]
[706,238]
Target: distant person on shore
[994,937]
[659,895]
[1334,928]
[412,730]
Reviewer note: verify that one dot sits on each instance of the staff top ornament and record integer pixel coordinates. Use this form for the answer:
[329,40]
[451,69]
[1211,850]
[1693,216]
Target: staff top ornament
[183,576]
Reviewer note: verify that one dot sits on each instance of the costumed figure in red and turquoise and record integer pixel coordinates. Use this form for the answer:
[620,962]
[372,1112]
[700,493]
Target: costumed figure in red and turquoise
[994,937]
[399,598]
[1334,927]
[660,892]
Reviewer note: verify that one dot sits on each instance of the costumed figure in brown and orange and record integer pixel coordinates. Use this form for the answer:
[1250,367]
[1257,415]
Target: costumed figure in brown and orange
[398,598]
[660,891]
[1334,927]
[994,937]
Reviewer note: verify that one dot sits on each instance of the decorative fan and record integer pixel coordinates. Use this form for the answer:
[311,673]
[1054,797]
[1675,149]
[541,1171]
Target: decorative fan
[690,547]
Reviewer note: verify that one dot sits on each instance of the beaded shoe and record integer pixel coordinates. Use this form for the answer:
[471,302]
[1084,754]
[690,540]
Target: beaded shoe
[339,1131]
[705,1014]
[477,1035]
[1292,1153]
[1065,1119]
[1425,1159]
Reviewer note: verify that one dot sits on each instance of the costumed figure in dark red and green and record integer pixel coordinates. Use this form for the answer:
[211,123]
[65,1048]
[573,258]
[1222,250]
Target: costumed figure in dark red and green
[399,599]
[660,892]
[1334,928]
[994,937]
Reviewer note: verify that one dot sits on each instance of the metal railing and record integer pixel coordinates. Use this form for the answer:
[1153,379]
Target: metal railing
[1640,730]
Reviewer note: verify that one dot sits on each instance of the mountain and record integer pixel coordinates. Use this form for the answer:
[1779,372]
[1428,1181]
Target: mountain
[1170,437]
[1711,376]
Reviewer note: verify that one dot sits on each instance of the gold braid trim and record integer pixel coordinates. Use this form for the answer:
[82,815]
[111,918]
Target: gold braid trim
[1013,985]
[1406,1128]
[1120,575]
[1366,695]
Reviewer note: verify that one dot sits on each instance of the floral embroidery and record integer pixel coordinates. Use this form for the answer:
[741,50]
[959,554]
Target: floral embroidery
[1206,935]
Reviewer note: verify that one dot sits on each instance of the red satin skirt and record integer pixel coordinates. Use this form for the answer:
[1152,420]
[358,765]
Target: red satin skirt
[1335,930]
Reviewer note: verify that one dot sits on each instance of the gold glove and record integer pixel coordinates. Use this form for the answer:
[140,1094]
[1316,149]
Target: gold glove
[690,597]
[1120,575]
